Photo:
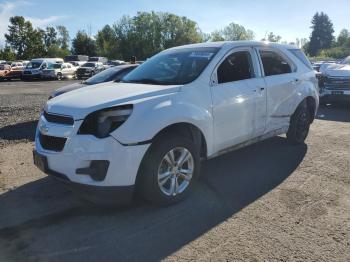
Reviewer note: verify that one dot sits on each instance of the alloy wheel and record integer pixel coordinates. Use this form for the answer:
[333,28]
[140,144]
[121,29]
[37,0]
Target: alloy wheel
[175,171]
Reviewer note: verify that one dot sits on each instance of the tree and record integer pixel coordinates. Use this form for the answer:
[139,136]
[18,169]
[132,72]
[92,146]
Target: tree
[147,33]
[50,36]
[26,41]
[107,43]
[83,44]
[344,35]
[55,50]
[271,37]
[217,36]
[63,37]
[232,32]
[7,54]
[322,34]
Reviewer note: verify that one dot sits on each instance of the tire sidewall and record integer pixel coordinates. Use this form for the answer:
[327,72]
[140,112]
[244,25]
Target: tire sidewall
[148,184]
[293,132]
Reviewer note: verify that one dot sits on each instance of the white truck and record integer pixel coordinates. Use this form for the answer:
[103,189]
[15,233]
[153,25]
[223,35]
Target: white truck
[193,102]
[335,82]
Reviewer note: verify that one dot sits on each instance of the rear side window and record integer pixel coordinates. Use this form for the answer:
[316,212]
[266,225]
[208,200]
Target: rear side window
[274,63]
[237,66]
[302,57]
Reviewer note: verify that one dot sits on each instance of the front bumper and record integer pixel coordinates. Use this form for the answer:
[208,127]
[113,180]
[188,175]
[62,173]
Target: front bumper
[80,151]
[334,95]
[31,76]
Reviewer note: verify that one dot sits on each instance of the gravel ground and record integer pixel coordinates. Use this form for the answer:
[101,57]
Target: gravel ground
[267,202]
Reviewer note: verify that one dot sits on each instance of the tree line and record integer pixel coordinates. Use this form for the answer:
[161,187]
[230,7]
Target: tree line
[147,33]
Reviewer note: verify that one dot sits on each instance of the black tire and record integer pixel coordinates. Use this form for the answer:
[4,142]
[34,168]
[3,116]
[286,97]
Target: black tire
[147,182]
[59,77]
[299,125]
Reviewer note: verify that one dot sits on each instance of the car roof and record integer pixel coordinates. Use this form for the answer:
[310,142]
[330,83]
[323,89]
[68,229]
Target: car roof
[228,44]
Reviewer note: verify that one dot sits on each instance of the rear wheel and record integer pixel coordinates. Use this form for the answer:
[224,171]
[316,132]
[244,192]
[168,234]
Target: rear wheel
[299,125]
[169,170]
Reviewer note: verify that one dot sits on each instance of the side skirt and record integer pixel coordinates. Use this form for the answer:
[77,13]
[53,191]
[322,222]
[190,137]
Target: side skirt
[270,134]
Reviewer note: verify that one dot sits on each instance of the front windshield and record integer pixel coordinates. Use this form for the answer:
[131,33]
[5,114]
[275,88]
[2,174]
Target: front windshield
[346,61]
[104,76]
[175,67]
[54,66]
[89,65]
[34,65]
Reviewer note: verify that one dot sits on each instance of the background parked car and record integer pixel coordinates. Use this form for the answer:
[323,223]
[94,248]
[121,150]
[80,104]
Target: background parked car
[35,66]
[16,71]
[115,73]
[4,70]
[116,62]
[335,82]
[71,58]
[100,59]
[59,71]
[77,63]
[89,69]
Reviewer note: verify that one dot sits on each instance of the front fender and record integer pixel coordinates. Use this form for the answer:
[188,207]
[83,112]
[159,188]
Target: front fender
[150,116]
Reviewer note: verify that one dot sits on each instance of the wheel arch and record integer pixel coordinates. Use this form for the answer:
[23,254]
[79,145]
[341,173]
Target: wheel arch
[188,130]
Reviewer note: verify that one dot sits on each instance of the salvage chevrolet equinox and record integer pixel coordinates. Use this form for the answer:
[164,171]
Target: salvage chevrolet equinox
[149,133]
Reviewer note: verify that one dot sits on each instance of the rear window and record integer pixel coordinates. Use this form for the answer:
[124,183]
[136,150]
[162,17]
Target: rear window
[301,56]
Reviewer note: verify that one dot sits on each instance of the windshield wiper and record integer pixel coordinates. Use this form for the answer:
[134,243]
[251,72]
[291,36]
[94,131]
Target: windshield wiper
[145,81]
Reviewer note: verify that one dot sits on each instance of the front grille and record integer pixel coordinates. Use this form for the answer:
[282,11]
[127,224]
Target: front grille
[52,143]
[337,83]
[59,119]
[27,72]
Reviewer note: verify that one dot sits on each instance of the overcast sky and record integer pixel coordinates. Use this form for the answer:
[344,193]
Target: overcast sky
[288,18]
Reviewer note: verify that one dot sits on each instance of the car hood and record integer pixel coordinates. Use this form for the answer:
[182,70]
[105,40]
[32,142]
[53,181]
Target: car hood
[78,103]
[86,68]
[66,89]
[338,70]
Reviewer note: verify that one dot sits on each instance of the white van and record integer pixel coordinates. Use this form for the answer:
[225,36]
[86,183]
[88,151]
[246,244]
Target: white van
[35,66]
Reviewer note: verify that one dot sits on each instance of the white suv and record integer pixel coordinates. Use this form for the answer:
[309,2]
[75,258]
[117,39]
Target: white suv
[188,103]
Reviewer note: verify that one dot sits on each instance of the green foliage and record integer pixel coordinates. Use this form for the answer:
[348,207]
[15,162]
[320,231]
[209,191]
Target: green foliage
[7,54]
[107,43]
[55,50]
[21,36]
[322,34]
[232,32]
[148,33]
[271,37]
[83,44]
[63,37]
[29,43]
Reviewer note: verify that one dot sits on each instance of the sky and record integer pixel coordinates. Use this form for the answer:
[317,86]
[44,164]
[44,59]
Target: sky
[290,19]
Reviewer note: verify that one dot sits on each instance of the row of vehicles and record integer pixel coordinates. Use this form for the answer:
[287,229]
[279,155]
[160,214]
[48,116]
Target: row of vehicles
[75,66]
[334,80]
[149,131]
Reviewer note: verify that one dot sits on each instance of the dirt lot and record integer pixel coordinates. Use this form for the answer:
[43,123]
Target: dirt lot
[268,202]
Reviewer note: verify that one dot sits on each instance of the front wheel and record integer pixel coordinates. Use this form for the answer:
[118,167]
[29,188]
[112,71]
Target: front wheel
[59,77]
[299,125]
[169,170]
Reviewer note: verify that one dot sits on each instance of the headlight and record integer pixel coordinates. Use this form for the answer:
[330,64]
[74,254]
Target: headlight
[101,123]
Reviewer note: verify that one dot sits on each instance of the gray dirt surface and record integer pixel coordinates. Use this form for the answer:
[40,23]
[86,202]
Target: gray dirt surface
[268,202]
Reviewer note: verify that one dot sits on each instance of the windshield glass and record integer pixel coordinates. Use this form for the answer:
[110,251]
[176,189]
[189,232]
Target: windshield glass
[346,61]
[54,66]
[89,65]
[104,76]
[33,65]
[173,67]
